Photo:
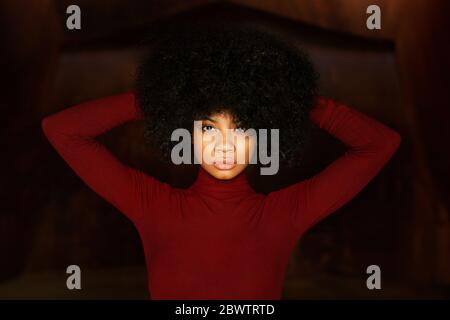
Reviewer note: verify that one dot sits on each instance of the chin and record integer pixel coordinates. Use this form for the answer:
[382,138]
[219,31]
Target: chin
[224,174]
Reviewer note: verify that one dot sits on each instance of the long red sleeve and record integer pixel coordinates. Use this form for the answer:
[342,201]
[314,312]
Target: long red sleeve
[370,145]
[72,133]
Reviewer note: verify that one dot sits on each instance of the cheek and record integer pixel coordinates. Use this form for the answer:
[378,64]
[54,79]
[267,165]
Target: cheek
[246,147]
[204,147]
[241,146]
[208,139]
[207,144]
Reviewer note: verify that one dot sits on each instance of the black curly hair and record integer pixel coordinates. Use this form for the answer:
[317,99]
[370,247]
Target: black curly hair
[197,70]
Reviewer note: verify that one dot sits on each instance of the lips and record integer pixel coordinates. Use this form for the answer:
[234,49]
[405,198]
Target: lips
[224,163]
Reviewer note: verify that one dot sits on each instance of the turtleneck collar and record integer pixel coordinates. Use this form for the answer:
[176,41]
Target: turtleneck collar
[235,188]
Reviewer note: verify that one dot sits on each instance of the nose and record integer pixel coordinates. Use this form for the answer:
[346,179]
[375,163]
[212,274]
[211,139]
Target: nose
[224,149]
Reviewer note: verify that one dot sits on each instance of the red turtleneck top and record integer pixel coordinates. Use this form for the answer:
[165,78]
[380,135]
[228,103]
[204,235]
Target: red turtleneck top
[218,239]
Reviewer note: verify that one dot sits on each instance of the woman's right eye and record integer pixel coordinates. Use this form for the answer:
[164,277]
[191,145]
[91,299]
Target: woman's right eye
[208,128]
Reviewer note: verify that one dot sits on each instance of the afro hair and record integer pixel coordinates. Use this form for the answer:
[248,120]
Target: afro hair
[194,71]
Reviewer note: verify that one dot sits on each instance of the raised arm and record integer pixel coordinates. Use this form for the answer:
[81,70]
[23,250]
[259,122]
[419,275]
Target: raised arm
[72,133]
[370,145]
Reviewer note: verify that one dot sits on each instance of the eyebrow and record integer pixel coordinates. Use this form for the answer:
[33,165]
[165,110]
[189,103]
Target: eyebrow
[209,119]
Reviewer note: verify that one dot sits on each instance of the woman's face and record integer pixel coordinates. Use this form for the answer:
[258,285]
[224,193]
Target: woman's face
[224,146]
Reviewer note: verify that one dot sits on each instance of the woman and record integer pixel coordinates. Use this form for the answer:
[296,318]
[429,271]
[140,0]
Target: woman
[219,239]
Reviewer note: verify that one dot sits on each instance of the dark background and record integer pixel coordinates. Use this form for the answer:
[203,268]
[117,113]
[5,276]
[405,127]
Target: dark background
[399,75]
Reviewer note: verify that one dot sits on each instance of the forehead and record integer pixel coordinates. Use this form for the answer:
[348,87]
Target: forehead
[223,116]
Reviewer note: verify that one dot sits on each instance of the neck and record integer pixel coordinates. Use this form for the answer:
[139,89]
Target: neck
[231,189]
